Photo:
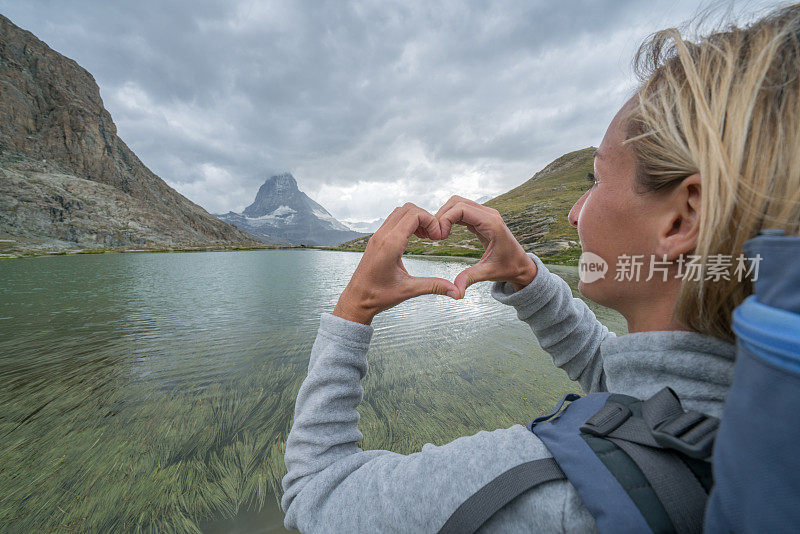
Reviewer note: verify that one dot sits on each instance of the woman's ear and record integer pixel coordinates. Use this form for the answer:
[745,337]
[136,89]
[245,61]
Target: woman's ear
[680,223]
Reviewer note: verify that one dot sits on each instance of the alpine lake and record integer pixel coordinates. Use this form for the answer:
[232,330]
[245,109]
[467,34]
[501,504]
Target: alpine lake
[153,392]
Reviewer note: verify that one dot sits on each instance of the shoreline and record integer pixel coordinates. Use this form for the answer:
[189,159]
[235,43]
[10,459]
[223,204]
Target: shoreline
[75,252]
[18,254]
[568,257]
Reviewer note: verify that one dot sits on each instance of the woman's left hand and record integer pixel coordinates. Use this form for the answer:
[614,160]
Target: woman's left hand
[381,281]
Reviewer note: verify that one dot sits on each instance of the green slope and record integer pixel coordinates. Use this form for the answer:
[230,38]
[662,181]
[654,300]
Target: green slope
[535,212]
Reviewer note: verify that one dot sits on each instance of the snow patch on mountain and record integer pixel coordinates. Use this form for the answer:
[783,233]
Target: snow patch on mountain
[282,215]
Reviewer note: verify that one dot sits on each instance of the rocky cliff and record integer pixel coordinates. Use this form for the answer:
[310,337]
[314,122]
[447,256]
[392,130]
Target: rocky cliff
[282,214]
[66,179]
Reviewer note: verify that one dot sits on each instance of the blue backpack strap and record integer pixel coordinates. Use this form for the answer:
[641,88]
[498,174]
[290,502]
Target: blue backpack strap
[600,491]
[669,487]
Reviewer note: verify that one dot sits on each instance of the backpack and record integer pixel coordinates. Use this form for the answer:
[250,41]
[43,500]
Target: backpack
[756,457]
[642,465]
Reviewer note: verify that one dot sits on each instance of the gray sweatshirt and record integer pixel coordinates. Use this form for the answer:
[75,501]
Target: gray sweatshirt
[334,486]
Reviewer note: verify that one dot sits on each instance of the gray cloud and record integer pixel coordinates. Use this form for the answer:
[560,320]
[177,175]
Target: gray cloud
[369,104]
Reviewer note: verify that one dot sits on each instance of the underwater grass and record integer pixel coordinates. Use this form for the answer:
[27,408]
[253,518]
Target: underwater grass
[113,455]
[413,397]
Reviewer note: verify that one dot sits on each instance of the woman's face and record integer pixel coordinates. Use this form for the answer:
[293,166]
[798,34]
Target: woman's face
[613,221]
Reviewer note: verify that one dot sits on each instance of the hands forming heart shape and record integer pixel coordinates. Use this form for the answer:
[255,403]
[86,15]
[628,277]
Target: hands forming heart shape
[381,281]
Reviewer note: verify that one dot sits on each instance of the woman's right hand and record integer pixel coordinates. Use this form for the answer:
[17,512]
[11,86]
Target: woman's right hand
[504,259]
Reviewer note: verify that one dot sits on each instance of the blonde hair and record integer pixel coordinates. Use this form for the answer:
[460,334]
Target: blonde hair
[726,106]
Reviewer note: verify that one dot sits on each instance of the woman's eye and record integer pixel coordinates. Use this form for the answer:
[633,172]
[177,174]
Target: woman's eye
[591,178]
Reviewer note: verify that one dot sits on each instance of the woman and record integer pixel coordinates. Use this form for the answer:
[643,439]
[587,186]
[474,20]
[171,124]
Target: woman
[705,154]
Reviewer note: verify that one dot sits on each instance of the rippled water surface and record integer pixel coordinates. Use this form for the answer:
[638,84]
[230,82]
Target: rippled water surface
[157,389]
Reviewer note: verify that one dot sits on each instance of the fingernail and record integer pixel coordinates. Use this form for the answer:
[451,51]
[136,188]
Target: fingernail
[452,294]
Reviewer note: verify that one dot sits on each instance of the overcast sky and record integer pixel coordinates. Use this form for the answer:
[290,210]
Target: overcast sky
[368,104]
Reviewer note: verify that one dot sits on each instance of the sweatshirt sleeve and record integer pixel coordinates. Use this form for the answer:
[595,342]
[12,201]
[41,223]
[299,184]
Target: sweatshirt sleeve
[331,485]
[564,325]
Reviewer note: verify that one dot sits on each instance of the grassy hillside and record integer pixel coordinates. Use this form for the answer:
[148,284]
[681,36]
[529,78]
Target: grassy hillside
[535,212]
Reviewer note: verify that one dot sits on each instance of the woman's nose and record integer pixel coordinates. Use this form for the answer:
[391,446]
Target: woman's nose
[575,212]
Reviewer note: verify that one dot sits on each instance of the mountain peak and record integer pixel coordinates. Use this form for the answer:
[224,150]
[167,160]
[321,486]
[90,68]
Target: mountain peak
[282,180]
[278,190]
[281,213]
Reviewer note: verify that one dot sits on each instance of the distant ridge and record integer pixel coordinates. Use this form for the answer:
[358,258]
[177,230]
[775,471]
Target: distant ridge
[364,226]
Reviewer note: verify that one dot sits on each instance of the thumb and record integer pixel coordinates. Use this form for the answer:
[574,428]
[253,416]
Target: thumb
[475,273]
[432,286]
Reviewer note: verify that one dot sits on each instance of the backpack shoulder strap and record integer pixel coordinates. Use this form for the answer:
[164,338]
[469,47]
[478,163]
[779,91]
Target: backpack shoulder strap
[483,504]
[663,443]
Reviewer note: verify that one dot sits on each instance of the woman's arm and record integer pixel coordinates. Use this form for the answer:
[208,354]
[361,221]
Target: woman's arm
[563,325]
[332,485]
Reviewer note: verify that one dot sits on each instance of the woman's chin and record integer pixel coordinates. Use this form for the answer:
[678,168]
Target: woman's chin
[585,288]
[591,290]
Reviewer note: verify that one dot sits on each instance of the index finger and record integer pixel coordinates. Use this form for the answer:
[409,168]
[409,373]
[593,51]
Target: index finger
[455,199]
[416,218]
[390,221]
[467,215]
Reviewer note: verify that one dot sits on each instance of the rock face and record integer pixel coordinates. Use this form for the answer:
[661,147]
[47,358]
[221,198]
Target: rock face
[66,179]
[282,214]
